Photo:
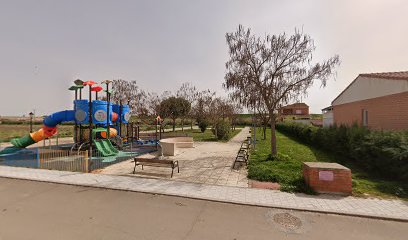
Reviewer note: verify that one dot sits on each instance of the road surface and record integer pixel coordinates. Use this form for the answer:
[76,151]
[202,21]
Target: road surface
[37,210]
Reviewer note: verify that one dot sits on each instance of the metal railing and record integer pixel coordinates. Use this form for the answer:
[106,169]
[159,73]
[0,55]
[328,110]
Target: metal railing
[63,160]
[74,161]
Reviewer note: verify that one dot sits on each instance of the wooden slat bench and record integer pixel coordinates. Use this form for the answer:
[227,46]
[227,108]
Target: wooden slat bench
[155,162]
[243,153]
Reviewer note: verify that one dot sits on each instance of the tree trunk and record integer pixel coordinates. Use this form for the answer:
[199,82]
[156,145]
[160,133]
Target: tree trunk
[191,124]
[273,138]
[174,124]
[264,131]
[182,124]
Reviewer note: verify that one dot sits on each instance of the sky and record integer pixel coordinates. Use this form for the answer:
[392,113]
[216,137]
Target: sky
[46,44]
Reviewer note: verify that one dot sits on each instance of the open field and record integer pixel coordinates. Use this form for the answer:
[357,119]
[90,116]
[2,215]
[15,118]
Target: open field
[287,169]
[10,131]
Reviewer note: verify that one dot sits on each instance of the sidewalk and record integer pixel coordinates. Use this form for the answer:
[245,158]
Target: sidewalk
[385,209]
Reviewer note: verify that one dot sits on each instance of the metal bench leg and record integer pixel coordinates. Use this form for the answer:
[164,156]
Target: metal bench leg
[178,167]
[172,169]
[134,169]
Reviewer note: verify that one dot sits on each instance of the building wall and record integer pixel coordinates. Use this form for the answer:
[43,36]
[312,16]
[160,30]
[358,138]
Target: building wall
[367,87]
[295,111]
[388,112]
[328,119]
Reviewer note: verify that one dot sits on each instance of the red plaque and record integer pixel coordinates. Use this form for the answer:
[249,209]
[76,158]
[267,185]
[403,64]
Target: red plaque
[326,175]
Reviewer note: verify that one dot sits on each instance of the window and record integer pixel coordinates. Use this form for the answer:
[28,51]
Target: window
[364,118]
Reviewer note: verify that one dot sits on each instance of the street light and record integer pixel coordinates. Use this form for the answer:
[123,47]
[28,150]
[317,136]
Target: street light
[31,121]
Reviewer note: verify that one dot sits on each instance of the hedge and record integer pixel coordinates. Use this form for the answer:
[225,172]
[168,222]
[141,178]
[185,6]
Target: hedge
[384,153]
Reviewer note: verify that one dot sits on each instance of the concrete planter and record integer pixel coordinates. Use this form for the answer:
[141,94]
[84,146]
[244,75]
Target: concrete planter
[169,145]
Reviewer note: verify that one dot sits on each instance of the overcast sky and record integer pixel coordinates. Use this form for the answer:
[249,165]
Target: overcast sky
[45,45]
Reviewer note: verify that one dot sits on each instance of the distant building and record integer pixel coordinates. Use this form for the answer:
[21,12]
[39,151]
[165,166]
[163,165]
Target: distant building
[294,109]
[327,116]
[375,100]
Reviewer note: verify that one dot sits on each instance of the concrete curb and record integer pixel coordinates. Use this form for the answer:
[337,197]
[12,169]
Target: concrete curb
[224,194]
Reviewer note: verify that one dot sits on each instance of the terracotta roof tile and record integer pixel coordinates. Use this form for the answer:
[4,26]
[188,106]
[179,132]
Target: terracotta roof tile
[388,75]
[403,75]
[298,105]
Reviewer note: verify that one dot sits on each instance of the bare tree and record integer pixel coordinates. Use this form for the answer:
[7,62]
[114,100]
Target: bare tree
[174,107]
[128,92]
[236,109]
[262,113]
[278,68]
[202,106]
[152,104]
[188,92]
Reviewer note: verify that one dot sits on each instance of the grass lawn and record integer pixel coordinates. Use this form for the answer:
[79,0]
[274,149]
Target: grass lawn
[286,169]
[207,136]
[10,131]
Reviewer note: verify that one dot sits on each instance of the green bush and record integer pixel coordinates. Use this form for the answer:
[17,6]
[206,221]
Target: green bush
[221,130]
[381,152]
[203,124]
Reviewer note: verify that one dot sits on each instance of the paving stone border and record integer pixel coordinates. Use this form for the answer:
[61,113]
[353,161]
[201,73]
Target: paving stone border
[374,208]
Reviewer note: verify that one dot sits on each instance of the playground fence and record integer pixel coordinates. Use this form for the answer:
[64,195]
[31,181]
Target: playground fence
[73,161]
[63,160]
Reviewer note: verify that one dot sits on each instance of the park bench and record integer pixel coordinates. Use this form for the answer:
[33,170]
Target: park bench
[155,162]
[243,152]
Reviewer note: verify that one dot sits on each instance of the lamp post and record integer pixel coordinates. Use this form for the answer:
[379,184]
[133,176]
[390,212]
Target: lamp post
[31,121]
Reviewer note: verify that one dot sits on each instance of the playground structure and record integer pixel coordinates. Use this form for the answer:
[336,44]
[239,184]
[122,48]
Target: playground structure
[102,133]
[96,123]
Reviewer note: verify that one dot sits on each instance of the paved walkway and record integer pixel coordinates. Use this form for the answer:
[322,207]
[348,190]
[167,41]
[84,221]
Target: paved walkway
[388,209]
[207,162]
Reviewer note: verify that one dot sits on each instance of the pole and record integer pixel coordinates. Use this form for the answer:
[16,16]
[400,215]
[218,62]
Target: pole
[76,125]
[254,122]
[120,117]
[31,122]
[161,128]
[138,132]
[127,125]
[90,126]
[108,112]
[157,122]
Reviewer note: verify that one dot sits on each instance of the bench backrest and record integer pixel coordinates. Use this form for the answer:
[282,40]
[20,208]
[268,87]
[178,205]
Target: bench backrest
[158,161]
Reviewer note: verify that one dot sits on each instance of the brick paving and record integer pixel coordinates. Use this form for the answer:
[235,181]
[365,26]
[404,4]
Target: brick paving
[207,162]
[387,209]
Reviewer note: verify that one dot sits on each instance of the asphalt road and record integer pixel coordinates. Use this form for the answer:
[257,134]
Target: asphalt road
[35,210]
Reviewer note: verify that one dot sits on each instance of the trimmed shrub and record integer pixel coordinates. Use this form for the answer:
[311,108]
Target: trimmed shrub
[221,130]
[203,124]
[383,153]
